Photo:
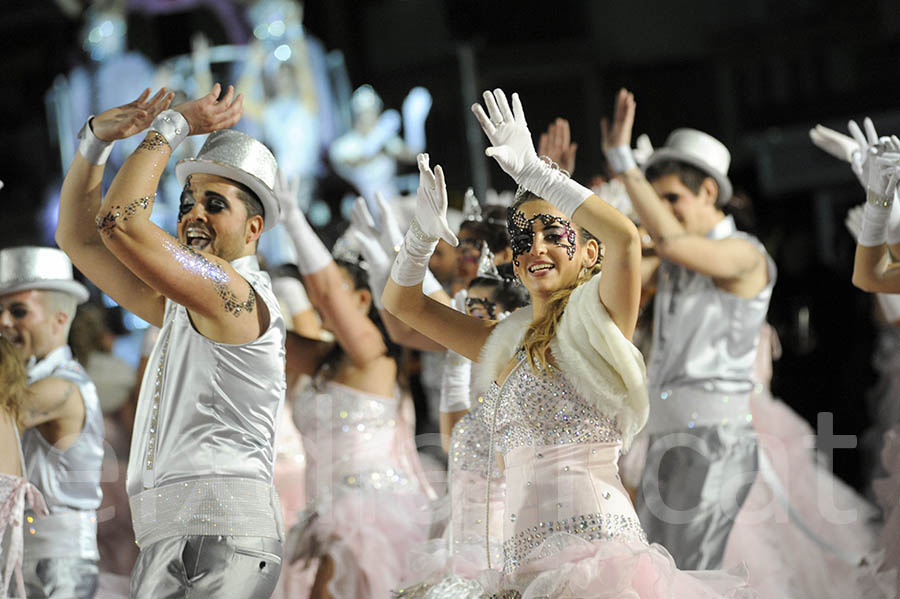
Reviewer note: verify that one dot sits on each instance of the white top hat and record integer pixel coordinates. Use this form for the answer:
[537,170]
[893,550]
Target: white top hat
[239,157]
[701,150]
[47,269]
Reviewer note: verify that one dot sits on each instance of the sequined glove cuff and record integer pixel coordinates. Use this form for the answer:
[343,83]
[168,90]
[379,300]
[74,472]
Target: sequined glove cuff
[172,125]
[546,180]
[620,159]
[92,148]
[411,263]
[876,215]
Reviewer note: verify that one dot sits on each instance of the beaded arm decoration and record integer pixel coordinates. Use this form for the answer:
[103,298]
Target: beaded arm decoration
[197,263]
[153,141]
[107,222]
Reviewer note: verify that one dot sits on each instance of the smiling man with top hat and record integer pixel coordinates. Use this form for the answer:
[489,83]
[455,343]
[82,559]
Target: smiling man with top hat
[714,284]
[62,439]
[204,510]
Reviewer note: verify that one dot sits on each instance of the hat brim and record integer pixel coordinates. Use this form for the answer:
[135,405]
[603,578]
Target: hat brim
[73,288]
[725,189]
[190,166]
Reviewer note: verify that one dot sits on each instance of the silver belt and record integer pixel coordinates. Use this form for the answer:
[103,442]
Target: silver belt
[208,506]
[679,408]
[64,534]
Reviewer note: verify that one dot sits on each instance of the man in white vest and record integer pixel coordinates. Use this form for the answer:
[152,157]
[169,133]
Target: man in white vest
[714,284]
[62,439]
[205,513]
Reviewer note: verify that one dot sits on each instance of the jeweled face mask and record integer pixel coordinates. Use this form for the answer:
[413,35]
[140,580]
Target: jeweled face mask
[484,304]
[557,231]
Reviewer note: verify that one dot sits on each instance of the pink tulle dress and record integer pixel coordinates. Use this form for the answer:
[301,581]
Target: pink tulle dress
[295,579]
[887,491]
[463,550]
[15,493]
[569,527]
[801,532]
[368,500]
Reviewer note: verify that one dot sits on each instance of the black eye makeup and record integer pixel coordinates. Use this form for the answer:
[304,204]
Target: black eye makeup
[557,231]
[473,303]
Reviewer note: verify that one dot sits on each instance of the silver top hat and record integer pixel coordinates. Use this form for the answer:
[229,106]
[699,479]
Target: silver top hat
[47,269]
[701,150]
[239,157]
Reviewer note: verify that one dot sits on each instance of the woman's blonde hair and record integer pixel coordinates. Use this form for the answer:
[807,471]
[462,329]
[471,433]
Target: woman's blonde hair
[12,379]
[542,331]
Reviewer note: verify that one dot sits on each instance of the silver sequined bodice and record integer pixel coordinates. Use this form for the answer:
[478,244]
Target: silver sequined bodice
[560,456]
[469,443]
[533,409]
[351,442]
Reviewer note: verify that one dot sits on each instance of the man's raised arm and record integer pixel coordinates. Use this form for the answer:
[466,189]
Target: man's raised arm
[81,198]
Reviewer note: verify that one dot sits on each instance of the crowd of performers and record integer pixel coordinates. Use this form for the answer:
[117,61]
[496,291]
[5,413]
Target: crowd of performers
[272,448]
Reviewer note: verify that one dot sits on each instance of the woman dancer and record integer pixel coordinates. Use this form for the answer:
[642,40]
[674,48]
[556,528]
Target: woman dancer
[366,504]
[15,490]
[572,387]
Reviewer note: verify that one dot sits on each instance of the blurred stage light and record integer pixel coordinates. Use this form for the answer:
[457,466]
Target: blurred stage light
[283,52]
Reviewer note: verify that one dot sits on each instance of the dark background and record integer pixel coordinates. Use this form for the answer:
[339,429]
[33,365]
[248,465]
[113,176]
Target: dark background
[757,74]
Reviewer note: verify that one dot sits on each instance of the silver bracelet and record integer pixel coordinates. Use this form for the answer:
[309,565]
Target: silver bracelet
[92,148]
[416,229]
[879,200]
[620,159]
[172,125]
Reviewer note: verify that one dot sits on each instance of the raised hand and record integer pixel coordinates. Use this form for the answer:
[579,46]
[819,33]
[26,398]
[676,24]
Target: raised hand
[619,132]
[387,232]
[556,143]
[126,120]
[870,145]
[507,130]
[431,202]
[286,191]
[884,172]
[841,146]
[209,113]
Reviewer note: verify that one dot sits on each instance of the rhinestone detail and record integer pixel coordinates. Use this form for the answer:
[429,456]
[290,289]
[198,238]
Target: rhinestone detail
[150,453]
[591,527]
[542,408]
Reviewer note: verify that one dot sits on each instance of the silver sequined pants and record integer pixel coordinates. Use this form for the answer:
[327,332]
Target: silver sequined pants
[211,567]
[60,578]
[694,483]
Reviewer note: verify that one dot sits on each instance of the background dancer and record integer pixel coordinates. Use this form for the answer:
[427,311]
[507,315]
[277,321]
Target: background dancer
[202,452]
[713,289]
[367,498]
[63,425]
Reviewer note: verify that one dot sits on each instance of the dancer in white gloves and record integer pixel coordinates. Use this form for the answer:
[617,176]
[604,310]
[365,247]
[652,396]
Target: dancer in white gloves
[566,388]
[367,497]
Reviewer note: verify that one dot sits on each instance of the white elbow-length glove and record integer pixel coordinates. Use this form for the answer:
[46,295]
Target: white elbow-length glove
[379,244]
[312,255]
[513,149]
[456,379]
[428,225]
